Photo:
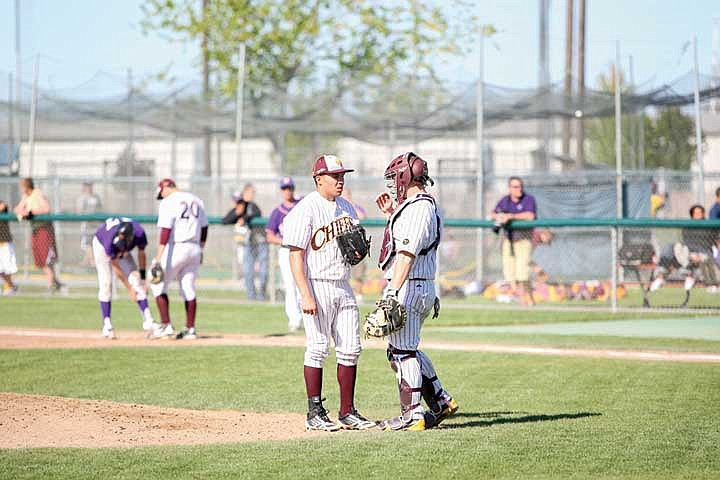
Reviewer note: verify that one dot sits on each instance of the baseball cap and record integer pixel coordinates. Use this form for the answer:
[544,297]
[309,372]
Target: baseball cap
[237,195]
[165,182]
[287,182]
[326,164]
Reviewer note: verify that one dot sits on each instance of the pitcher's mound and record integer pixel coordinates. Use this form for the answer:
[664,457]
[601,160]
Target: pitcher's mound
[29,421]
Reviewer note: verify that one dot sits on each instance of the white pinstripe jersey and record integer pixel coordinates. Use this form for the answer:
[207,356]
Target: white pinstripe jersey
[414,227]
[184,213]
[313,225]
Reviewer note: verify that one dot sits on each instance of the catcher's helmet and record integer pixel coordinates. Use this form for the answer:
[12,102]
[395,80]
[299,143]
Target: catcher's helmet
[128,235]
[403,170]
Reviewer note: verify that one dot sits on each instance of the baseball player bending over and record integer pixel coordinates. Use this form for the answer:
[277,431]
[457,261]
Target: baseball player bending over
[112,246]
[183,229]
[322,276]
[408,258]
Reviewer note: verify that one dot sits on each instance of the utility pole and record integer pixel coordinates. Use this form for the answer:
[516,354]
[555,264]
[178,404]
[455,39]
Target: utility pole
[580,135]
[698,128]
[544,124]
[131,126]
[239,112]
[569,21]
[18,77]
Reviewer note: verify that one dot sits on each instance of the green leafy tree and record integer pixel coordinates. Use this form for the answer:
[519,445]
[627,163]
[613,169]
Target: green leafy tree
[316,44]
[669,135]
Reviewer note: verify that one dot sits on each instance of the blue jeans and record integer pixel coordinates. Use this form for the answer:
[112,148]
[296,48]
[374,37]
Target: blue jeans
[255,254]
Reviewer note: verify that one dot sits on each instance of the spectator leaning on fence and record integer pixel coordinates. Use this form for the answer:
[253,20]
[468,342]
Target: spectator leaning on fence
[34,202]
[517,243]
[8,265]
[255,259]
[715,209]
[700,243]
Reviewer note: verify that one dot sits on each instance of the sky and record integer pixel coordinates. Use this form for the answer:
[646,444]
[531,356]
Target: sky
[74,40]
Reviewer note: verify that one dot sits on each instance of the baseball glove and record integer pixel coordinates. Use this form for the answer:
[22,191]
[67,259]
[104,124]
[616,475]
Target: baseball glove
[354,245]
[388,317]
[156,273]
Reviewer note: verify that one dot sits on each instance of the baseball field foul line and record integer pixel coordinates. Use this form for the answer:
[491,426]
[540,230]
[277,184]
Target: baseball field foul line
[18,338]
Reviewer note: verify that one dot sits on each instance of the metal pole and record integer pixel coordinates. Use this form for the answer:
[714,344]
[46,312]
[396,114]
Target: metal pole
[632,161]
[480,166]
[18,76]
[173,141]
[239,112]
[698,129]
[11,111]
[614,268]
[131,133]
[618,134]
[33,116]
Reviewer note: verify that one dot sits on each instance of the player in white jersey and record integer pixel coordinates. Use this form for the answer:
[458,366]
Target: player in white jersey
[330,312]
[408,258]
[183,229]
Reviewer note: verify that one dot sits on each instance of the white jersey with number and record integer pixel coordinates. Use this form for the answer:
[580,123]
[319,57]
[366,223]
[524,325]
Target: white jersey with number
[313,225]
[184,214]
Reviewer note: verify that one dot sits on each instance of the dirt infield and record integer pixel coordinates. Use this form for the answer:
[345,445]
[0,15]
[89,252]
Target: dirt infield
[33,421]
[25,338]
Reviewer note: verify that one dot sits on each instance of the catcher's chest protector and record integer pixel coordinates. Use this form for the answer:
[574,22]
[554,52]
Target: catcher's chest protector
[387,251]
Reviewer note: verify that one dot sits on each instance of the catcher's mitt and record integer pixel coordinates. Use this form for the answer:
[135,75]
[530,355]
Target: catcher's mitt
[354,245]
[388,317]
[156,273]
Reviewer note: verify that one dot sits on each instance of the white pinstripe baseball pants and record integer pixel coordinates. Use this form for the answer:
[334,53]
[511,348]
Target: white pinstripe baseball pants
[337,318]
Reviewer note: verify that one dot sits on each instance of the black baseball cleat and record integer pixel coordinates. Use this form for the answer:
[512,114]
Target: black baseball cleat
[317,418]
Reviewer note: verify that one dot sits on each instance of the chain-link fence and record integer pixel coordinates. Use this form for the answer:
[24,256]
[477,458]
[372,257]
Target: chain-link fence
[585,263]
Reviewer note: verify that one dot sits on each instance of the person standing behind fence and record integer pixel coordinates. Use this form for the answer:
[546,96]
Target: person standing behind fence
[112,246]
[88,203]
[517,243]
[183,227]
[8,264]
[255,257]
[34,202]
[274,233]
[715,209]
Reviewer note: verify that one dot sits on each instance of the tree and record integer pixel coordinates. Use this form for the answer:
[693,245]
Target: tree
[669,135]
[317,44]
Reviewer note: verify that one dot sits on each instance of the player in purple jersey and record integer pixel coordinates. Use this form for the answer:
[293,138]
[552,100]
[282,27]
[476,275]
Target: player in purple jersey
[112,246]
[274,234]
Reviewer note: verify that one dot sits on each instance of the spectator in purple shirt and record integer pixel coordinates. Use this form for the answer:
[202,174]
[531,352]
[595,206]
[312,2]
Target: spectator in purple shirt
[274,235]
[112,246]
[517,243]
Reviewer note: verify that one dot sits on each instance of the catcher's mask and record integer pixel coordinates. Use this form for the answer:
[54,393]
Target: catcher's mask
[402,171]
[124,236]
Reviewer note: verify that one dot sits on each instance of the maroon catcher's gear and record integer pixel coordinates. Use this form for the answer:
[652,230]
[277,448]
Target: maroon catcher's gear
[403,170]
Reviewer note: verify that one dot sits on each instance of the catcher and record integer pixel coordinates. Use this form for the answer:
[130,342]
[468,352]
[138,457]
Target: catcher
[408,259]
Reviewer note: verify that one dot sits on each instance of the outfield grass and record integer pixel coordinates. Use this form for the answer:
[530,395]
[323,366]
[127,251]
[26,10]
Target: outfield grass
[266,319]
[521,416]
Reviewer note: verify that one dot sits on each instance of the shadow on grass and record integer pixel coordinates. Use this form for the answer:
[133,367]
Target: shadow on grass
[499,418]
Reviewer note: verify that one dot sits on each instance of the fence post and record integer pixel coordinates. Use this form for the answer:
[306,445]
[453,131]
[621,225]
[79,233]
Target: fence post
[613,267]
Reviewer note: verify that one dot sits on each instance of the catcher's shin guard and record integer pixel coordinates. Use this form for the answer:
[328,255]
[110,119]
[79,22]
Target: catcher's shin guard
[407,372]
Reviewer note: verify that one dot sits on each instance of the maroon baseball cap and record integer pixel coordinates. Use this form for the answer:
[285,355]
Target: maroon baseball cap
[326,164]
[165,182]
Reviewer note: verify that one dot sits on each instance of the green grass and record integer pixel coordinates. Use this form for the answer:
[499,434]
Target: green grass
[521,416]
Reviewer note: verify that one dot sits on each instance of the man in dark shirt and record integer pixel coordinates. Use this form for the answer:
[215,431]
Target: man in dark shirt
[517,243]
[715,210]
[251,240]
